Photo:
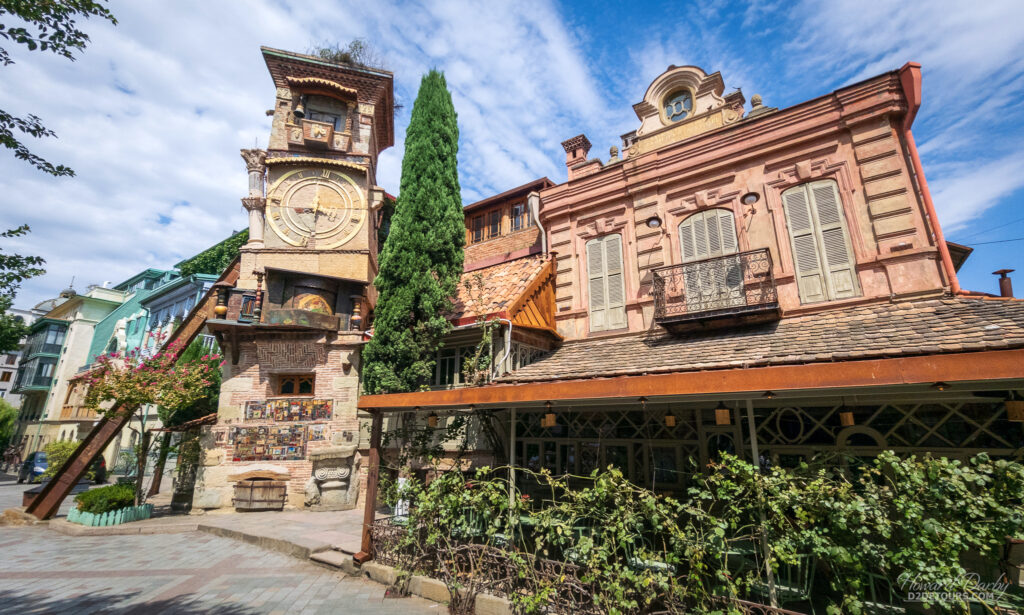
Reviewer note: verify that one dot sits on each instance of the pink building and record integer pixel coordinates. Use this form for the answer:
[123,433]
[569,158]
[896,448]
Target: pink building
[771,282]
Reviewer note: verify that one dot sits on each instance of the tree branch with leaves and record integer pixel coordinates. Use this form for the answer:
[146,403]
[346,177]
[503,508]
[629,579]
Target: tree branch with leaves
[49,25]
[122,385]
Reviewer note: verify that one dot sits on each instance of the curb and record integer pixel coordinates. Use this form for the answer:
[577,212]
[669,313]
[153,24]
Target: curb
[273,544]
[64,526]
[434,590]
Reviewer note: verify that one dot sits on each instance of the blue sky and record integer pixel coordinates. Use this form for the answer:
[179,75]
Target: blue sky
[152,115]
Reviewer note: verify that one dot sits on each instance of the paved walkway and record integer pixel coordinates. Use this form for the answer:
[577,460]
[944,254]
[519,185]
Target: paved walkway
[42,571]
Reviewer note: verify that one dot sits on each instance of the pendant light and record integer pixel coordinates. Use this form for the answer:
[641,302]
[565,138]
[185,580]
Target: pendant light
[549,417]
[723,416]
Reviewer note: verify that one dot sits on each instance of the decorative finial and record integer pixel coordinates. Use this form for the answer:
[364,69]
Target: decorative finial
[755,100]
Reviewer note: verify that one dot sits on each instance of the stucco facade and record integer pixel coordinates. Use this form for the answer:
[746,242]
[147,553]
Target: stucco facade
[851,137]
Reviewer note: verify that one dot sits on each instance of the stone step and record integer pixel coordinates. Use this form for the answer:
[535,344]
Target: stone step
[335,559]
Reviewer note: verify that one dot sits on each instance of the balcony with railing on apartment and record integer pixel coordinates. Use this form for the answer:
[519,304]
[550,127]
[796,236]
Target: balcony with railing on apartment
[78,412]
[733,288]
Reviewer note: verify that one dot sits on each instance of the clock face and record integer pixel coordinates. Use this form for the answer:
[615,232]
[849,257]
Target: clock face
[320,208]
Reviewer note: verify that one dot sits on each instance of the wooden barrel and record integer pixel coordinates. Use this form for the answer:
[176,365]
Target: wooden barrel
[260,494]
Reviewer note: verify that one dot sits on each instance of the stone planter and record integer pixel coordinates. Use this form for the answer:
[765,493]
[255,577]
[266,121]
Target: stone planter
[114,517]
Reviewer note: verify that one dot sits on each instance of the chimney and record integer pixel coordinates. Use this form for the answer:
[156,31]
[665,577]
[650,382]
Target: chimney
[1005,284]
[576,150]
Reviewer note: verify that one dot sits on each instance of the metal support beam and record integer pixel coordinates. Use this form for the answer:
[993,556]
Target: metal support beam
[765,549]
[512,466]
[372,480]
[46,504]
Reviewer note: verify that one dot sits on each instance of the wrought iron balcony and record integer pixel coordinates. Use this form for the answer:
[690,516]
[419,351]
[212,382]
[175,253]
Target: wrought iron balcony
[737,285]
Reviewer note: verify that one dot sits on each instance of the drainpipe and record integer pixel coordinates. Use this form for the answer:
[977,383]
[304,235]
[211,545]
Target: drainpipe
[508,342]
[533,202]
[910,81]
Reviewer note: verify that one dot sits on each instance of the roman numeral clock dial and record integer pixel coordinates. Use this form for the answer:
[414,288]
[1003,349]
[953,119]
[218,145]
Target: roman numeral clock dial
[322,206]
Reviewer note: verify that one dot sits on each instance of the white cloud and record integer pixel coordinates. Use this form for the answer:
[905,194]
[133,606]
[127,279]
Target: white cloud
[152,116]
[967,193]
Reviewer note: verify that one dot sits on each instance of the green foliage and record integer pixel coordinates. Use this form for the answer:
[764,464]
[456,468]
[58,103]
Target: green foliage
[938,522]
[358,52]
[422,258]
[106,499]
[387,211]
[14,269]
[48,26]
[8,419]
[215,260]
[207,403]
[56,454]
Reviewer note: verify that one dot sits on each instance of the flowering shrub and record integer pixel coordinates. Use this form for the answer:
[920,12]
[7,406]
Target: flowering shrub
[123,384]
[134,379]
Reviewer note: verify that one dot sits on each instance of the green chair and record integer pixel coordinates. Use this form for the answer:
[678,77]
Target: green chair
[794,582]
[880,597]
[636,562]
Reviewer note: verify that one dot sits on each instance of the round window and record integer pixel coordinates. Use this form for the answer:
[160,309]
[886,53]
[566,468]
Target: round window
[678,106]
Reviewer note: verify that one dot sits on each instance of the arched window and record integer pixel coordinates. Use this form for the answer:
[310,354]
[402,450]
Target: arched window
[822,254]
[606,287]
[713,277]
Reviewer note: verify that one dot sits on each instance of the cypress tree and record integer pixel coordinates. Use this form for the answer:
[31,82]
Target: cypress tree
[421,263]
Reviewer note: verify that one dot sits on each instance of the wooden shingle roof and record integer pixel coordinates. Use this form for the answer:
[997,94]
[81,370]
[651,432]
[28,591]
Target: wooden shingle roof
[936,326]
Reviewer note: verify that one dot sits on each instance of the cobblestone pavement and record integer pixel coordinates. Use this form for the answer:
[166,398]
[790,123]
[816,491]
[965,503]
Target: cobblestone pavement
[42,571]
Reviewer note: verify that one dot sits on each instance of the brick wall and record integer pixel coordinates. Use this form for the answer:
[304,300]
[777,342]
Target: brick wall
[502,245]
[261,360]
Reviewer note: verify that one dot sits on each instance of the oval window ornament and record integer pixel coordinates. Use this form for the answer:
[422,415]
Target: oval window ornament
[678,106]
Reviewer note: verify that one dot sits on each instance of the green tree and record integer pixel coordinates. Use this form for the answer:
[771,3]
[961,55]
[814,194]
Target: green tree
[172,416]
[48,25]
[215,260]
[125,384]
[422,259]
[57,453]
[14,269]
[8,419]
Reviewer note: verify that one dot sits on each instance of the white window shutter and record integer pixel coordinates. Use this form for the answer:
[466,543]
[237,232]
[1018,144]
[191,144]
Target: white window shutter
[596,287]
[835,241]
[686,245]
[615,316]
[809,271]
[727,225]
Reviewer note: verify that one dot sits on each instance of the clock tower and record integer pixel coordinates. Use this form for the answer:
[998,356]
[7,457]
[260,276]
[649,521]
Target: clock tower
[291,324]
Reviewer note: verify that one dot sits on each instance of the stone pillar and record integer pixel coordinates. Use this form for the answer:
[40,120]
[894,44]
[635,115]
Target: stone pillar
[255,203]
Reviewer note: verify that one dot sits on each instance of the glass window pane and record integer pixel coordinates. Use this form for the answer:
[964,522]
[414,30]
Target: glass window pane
[550,461]
[532,456]
[589,457]
[567,460]
[665,467]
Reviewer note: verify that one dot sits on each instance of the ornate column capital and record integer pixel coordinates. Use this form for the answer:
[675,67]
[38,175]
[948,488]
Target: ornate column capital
[254,203]
[255,159]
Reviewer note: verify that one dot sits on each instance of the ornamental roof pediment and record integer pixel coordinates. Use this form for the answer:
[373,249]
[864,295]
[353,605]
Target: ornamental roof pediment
[682,102]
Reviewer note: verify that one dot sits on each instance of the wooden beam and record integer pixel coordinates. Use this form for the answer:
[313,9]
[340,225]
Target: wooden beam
[958,367]
[537,283]
[372,480]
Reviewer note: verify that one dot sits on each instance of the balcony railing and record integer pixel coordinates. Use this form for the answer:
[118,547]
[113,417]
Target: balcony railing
[720,287]
[30,382]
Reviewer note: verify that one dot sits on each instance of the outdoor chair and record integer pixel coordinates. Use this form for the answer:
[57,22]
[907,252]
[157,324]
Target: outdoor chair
[637,562]
[881,598]
[793,582]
